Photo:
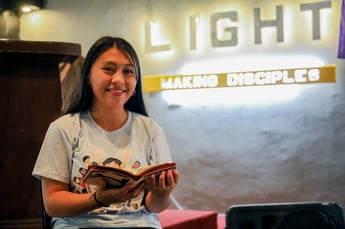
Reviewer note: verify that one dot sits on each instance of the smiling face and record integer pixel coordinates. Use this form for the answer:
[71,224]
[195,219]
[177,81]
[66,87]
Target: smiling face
[112,79]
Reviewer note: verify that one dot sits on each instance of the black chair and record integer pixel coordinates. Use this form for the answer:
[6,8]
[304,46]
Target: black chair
[297,215]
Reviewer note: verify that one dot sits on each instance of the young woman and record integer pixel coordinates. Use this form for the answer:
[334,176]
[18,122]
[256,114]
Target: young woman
[106,121]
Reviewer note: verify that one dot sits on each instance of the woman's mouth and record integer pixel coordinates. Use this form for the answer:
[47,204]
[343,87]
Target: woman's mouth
[117,91]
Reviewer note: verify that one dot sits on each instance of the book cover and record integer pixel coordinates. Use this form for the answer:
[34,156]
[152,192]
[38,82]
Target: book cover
[117,177]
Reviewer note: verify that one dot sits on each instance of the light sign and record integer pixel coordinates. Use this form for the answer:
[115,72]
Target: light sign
[325,74]
[225,28]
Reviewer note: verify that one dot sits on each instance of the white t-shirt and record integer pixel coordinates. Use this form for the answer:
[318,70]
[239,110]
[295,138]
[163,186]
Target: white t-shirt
[73,142]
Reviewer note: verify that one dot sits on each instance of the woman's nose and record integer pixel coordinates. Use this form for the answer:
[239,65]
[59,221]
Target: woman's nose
[117,77]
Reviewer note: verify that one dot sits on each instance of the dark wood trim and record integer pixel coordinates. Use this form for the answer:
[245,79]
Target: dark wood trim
[40,47]
[21,223]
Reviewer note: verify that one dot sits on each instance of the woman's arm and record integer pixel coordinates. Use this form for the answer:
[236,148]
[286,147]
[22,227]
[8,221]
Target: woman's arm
[60,202]
[158,196]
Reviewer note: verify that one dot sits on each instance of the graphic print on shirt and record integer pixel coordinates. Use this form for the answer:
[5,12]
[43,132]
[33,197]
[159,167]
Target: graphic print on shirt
[97,158]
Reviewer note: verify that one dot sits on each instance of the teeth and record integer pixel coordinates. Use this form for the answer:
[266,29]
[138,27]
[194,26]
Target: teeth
[117,91]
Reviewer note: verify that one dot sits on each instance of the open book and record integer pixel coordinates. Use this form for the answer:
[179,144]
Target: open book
[116,177]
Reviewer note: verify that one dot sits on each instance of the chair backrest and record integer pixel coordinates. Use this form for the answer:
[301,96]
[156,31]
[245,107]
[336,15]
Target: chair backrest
[46,219]
[301,215]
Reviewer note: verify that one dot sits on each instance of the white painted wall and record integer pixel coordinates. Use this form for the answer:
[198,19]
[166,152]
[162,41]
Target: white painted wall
[227,154]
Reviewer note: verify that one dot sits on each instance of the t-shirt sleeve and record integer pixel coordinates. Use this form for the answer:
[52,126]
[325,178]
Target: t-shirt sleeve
[160,151]
[54,160]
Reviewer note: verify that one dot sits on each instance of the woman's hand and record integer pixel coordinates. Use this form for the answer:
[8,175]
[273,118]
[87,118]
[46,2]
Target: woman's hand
[106,195]
[159,190]
[60,202]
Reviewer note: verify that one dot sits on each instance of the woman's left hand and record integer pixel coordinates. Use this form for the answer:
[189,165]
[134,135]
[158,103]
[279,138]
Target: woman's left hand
[160,188]
[164,183]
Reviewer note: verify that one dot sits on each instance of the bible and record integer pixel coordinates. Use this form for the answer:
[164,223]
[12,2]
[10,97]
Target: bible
[117,177]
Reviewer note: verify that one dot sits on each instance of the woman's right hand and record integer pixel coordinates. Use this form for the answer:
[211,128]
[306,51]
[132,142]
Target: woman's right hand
[107,195]
[60,202]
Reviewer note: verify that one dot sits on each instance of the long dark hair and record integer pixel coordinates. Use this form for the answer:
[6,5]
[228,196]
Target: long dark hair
[83,101]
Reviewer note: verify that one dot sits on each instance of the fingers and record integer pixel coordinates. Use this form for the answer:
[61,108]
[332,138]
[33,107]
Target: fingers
[162,180]
[118,195]
[170,179]
[176,176]
[167,179]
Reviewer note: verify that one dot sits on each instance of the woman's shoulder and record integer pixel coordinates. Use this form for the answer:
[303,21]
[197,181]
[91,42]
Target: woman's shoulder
[145,120]
[66,125]
[67,122]
[142,118]
[67,119]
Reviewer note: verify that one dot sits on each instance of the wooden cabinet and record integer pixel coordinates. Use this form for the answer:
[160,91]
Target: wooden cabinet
[30,98]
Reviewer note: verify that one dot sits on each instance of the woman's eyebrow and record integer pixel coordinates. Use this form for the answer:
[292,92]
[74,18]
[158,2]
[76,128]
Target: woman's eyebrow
[129,64]
[116,64]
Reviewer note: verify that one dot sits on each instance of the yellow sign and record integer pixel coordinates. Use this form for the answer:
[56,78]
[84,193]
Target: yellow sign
[325,74]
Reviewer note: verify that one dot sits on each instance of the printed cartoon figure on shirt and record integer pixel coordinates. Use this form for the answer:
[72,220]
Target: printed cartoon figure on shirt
[88,161]
[80,185]
[82,171]
[112,162]
[136,165]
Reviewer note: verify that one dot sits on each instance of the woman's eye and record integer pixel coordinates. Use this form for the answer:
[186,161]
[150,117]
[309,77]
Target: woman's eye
[108,69]
[128,72]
